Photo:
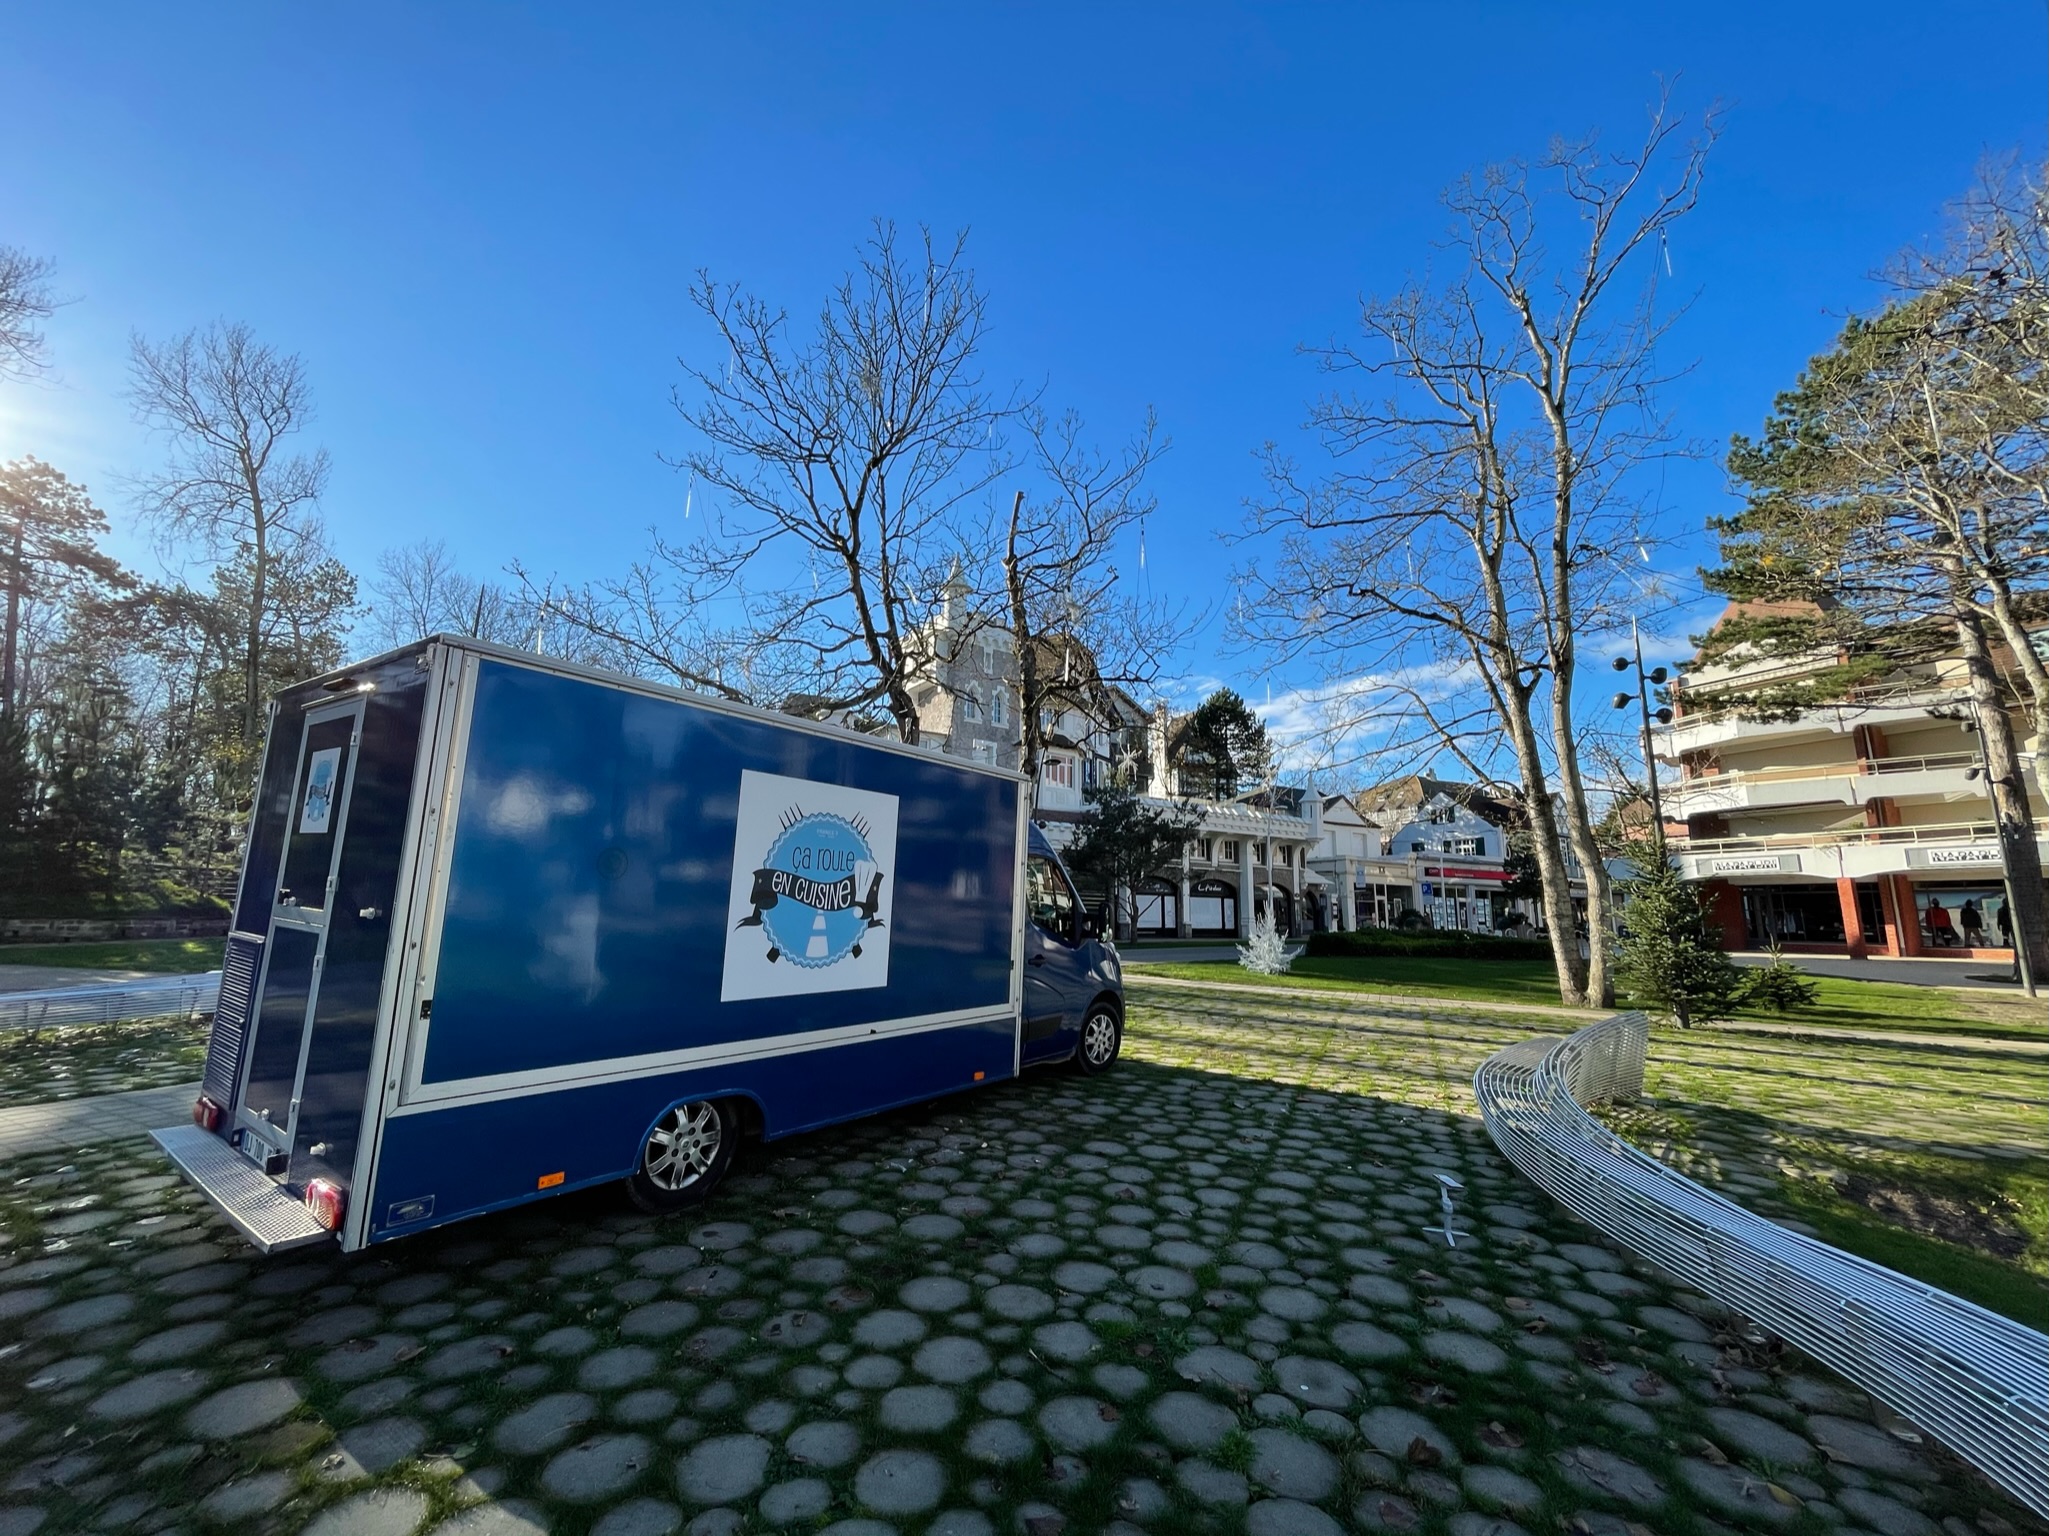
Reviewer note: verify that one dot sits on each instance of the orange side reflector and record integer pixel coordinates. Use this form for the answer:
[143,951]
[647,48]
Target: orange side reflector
[978,1077]
[549,1181]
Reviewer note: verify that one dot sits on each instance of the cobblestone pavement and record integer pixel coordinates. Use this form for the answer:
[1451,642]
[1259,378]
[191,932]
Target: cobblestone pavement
[1193,1295]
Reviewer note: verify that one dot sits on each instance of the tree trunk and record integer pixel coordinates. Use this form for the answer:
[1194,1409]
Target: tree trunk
[2014,820]
[1579,823]
[17,578]
[1551,868]
[259,594]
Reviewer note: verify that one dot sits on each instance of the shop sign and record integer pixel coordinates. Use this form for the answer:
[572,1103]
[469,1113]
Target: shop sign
[1758,864]
[1935,858]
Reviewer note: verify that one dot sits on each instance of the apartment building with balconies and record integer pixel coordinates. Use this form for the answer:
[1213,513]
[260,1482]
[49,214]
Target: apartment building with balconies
[1860,827]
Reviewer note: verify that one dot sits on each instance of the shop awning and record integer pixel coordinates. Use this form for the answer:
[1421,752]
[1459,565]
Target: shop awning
[1455,872]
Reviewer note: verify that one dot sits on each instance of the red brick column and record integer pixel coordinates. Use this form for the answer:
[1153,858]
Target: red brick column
[1853,925]
[1906,919]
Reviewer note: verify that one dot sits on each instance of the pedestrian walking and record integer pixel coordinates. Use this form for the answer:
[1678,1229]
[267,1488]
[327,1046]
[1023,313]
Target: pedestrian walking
[2005,921]
[1973,923]
[1941,930]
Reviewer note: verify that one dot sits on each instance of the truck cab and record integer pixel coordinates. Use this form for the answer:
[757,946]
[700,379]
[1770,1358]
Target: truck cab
[1073,980]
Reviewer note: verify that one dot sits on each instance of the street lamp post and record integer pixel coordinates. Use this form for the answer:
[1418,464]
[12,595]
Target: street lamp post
[1645,681]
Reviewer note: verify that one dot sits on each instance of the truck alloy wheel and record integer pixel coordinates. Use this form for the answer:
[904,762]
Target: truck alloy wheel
[686,1154]
[1102,1036]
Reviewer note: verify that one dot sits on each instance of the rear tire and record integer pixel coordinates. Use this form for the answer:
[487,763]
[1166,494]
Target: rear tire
[1102,1037]
[685,1156]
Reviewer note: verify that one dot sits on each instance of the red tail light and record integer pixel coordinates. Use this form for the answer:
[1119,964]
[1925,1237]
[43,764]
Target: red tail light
[206,1114]
[326,1200]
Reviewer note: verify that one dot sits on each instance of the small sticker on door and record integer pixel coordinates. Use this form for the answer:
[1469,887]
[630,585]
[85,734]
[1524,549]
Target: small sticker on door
[320,787]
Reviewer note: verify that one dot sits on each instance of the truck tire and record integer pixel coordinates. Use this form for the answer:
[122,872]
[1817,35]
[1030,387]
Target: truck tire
[685,1156]
[1102,1037]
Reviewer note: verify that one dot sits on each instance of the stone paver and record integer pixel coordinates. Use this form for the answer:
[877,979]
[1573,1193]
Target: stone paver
[1194,1294]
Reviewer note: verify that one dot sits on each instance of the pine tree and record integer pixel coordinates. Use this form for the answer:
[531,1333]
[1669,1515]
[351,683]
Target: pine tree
[1671,957]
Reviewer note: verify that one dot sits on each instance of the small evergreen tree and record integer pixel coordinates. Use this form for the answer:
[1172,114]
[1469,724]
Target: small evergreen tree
[1671,957]
[1265,951]
[1780,986]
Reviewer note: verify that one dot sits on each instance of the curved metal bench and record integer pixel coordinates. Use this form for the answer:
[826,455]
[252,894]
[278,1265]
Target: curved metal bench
[1974,1380]
[152,997]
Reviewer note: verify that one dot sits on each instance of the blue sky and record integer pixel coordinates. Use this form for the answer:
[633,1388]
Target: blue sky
[477,222]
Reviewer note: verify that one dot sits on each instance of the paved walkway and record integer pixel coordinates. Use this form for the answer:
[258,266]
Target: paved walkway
[1198,1293]
[36,978]
[1929,971]
[67,1123]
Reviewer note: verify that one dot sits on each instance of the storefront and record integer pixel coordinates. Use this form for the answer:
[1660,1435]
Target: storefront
[1467,900]
[1791,914]
[1959,914]
[1381,906]
[1213,909]
[1159,909]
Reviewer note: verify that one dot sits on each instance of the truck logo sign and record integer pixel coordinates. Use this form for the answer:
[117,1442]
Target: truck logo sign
[811,890]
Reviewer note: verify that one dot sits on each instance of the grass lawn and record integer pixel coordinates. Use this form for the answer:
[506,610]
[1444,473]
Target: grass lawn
[169,955]
[1839,1003]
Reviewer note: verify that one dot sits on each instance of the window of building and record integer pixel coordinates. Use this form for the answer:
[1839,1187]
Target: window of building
[970,706]
[1472,847]
[1091,773]
[1060,771]
[998,708]
[1415,847]
[1230,850]
[1206,849]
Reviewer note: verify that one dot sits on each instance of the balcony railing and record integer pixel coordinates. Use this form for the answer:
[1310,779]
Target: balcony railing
[1856,701]
[1945,832]
[1933,763]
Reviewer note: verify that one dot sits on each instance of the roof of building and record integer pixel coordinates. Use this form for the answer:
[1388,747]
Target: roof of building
[1404,796]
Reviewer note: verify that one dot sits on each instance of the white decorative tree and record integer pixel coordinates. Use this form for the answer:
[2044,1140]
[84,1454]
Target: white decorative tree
[1265,951]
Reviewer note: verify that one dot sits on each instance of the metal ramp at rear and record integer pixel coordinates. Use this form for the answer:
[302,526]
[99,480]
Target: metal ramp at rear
[271,1219]
[151,997]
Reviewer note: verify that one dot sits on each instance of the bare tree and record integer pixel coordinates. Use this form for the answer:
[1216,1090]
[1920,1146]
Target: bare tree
[845,469]
[1079,638]
[226,406]
[420,591]
[25,299]
[1485,506]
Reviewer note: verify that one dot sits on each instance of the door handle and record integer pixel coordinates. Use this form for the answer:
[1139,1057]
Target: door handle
[1036,960]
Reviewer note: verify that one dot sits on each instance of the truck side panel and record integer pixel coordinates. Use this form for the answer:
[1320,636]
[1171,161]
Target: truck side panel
[444,1163]
[587,908]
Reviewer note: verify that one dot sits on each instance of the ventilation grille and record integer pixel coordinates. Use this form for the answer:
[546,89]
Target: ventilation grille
[231,1016]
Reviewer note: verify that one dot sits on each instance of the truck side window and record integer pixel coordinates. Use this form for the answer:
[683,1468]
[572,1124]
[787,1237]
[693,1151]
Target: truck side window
[1049,899]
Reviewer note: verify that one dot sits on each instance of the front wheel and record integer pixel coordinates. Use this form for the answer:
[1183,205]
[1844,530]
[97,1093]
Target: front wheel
[1102,1037]
[686,1155]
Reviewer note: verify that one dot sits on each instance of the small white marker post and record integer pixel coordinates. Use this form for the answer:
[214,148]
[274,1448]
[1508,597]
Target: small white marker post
[1447,1186]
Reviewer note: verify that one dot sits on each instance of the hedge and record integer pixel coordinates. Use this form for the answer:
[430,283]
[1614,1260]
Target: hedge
[1425,941]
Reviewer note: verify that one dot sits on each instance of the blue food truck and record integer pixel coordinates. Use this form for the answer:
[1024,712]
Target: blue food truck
[509,927]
